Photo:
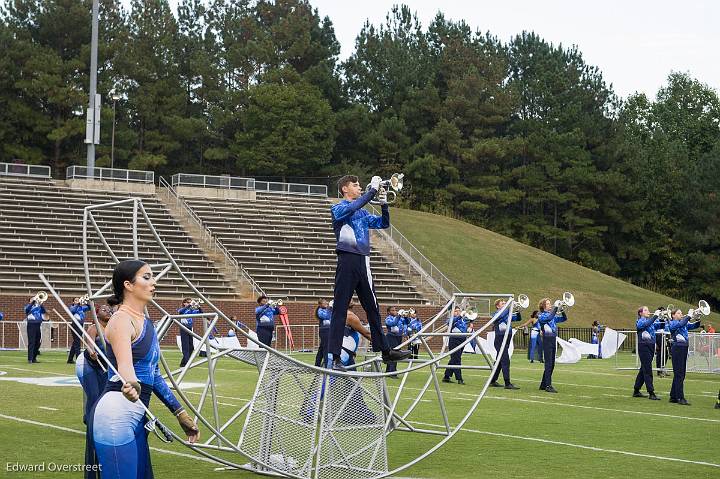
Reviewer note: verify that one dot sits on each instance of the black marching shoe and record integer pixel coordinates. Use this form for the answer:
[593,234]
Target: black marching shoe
[717,404]
[653,397]
[550,389]
[447,380]
[495,384]
[672,400]
[392,355]
[638,394]
[683,402]
[461,382]
[511,386]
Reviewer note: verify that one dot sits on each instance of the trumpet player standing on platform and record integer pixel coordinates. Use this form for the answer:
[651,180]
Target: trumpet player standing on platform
[78,310]
[186,339]
[35,314]
[265,319]
[503,327]
[323,313]
[678,327]
[646,326]
[352,225]
[548,319]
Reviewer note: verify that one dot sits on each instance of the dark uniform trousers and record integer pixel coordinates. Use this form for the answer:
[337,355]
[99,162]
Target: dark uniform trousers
[646,350]
[455,358]
[549,350]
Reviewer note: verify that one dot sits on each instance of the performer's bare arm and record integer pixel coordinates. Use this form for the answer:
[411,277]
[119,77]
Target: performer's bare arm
[354,322]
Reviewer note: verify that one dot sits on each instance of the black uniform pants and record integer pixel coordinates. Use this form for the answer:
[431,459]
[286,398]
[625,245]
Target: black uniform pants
[33,335]
[549,349]
[393,341]
[679,353]
[77,331]
[265,335]
[455,358]
[322,349]
[504,358]
[353,275]
[186,344]
[645,375]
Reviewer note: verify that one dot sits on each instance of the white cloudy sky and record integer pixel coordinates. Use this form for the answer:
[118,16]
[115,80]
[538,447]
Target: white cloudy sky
[636,43]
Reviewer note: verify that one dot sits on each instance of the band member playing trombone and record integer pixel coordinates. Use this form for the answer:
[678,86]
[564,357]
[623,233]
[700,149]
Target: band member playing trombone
[265,319]
[457,324]
[678,327]
[189,306]
[78,309]
[646,326]
[35,314]
[503,327]
[352,225]
[548,319]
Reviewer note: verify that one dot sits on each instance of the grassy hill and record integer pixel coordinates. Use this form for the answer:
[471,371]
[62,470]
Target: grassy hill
[478,260]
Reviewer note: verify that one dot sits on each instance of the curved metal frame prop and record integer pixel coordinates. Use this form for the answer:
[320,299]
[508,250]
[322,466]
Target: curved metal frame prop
[303,421]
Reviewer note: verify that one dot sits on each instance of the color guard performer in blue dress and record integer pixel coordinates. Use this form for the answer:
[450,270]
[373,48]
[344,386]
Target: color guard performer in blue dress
[133,351]
[678,327]
[646,326]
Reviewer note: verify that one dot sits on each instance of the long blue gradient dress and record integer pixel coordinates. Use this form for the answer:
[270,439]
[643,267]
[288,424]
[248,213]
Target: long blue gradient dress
[118,424]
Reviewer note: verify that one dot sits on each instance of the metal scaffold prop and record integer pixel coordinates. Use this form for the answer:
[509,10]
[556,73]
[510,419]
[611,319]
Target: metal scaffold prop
[300,421]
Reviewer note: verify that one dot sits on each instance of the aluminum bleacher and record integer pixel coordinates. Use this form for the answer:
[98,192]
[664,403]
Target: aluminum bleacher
[286,243]
[41,231]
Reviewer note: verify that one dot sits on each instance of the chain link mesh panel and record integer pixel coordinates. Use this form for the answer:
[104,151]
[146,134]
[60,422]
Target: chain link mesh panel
[352,436]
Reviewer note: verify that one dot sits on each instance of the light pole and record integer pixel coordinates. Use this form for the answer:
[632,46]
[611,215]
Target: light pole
[115,97]
[92,134]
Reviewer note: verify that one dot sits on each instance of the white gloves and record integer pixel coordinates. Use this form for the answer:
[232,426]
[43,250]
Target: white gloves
[691,312]
[331,303]
[657,312]
[375,182]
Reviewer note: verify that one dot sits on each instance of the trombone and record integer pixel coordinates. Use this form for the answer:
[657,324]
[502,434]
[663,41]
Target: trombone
[387,188]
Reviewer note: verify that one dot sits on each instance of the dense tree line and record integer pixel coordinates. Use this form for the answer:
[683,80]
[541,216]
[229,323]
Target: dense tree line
[523,137]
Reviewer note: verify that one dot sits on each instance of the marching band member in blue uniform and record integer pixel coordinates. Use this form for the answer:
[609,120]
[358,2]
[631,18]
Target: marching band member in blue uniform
[646,326]
[548,319]
[351,339]
[186,339]
[78,311]
[413,328]
[503,327]
[535,344]
[678,327]
[93,379]
[323,313]
[457,324]
[133,350]
[35,314]
[265,320]
[395,330]
[595,339]
[352,225]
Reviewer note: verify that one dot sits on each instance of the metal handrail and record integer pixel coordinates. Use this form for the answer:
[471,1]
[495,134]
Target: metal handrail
[22,169]
[111,174]
[209,236]
[242,183]
[426,268]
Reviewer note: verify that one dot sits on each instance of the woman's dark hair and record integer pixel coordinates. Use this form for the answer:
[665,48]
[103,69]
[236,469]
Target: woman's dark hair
[124,271]
[534,314]
[260,298]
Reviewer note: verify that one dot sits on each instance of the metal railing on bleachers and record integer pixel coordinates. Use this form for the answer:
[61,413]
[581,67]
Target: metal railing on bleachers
[21,169]
[240,183]
[110,174]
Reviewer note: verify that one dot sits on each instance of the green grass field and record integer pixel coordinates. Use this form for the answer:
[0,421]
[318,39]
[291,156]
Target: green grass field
[478,260]
[591,428]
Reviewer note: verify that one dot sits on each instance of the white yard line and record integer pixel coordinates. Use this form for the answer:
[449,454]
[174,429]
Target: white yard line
[48,408]
[6,366]
[75,431]
[579,446]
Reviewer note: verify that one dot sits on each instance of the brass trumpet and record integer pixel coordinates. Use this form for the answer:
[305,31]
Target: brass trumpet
[388,187]
[567,301]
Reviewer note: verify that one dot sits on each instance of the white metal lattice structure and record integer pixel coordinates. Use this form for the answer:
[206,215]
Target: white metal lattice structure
[303,421]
